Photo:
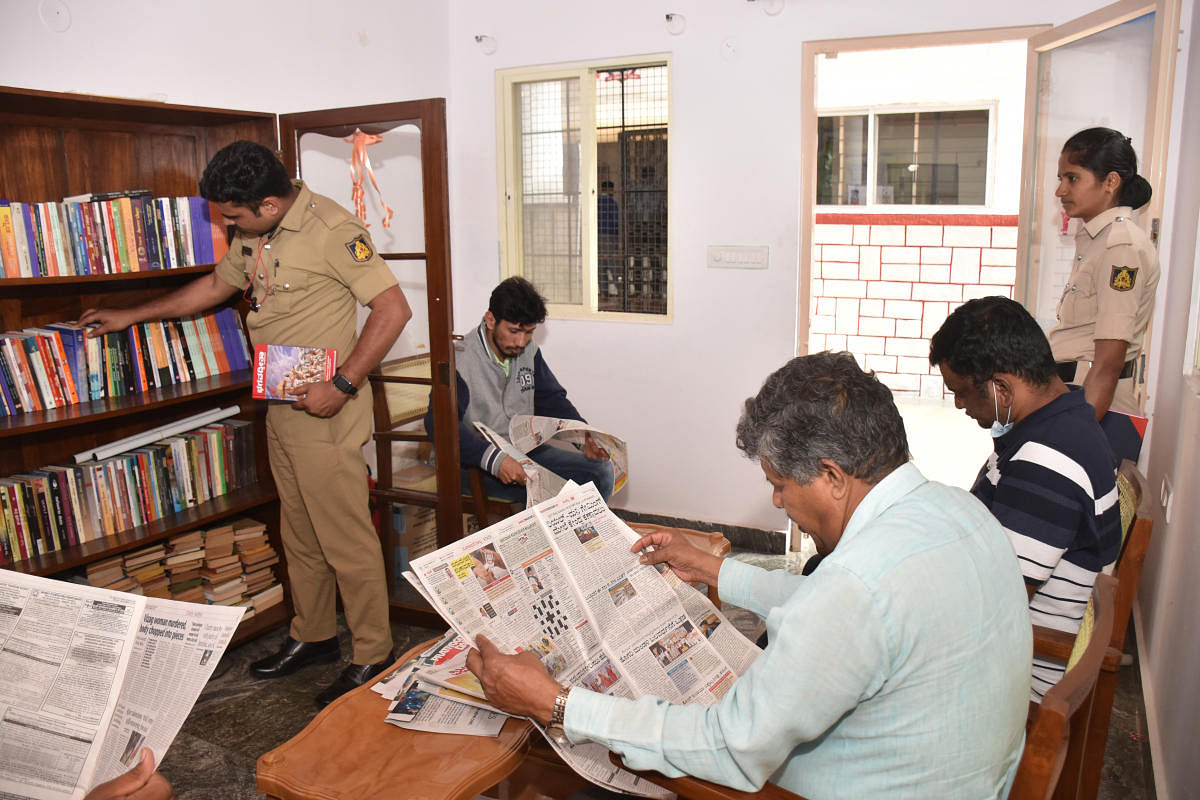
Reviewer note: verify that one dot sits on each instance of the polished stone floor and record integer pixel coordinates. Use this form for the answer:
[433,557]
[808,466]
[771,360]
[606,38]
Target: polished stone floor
[237,719]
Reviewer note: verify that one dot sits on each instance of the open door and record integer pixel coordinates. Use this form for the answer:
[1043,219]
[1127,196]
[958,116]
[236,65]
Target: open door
[409,145]
[1113,68]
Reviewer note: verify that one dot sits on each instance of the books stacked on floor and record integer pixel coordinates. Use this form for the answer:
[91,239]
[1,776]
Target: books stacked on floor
[110,574]
[145,566]
[185,558]
[107,233]
[223,583]
[257,557]
[59,365]
[60,506]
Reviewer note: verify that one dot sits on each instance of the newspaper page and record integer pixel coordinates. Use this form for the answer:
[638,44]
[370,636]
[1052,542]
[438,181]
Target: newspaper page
[559,579]
[527,432]
[80,680]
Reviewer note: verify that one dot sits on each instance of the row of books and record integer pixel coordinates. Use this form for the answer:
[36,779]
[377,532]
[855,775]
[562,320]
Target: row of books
[59,364]
[231,564]
[109,233]
[59,506]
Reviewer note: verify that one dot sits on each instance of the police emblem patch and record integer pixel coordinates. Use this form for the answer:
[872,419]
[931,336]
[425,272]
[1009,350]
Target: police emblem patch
[1123,278]
[359,249]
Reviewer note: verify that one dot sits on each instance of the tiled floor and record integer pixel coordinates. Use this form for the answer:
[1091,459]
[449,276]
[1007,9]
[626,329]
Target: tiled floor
[237,719]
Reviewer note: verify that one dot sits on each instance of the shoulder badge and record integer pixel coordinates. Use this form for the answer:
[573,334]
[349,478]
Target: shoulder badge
[1123,278]
[359,249]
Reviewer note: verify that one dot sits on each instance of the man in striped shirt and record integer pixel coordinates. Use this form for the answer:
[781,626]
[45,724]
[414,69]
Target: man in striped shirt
[1051,480]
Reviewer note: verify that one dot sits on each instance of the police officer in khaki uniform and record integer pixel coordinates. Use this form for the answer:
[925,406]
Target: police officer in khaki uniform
[1109,297]
[305,264]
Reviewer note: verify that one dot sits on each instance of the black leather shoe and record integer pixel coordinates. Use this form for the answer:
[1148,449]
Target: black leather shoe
[352,677]
[294,655]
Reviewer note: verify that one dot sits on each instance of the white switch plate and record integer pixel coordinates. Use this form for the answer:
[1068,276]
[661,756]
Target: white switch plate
[1165,495]
[737,256]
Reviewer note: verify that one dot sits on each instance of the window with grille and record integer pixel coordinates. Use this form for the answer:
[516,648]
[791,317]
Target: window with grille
[585,185]
[910,158]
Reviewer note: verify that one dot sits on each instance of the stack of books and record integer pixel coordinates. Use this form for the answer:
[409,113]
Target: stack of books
[185,558]
[257,557]
[59,365]
[61,506]
[110,574]
[145,566]
[222,571]
[107,233]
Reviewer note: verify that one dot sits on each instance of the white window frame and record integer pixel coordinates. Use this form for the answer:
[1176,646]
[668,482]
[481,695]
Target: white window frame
[509,178]
[871,112]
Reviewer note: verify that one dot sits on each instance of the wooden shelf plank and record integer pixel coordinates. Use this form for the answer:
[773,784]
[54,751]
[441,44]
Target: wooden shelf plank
[96,549]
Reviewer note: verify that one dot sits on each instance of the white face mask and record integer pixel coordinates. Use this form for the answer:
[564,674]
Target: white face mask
[999,430]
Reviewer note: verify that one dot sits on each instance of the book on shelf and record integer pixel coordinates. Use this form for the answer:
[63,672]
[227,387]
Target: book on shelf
[280,368]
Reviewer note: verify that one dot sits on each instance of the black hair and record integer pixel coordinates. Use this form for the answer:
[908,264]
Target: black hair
[1103,150]
[989,335]
[515,300]
[244,173]
[823,406]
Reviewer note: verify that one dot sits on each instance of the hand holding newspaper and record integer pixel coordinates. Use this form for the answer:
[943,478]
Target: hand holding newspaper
[88,677]
[559,579]
[527,432]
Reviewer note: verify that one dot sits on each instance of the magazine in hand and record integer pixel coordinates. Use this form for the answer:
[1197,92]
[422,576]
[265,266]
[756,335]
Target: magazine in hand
[280,368]
[559,579]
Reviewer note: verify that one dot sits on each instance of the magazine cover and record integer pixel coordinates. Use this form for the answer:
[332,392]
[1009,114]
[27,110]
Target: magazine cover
[280,368]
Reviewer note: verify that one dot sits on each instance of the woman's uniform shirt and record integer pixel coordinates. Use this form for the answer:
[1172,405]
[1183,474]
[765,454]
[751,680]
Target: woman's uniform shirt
[1109,295]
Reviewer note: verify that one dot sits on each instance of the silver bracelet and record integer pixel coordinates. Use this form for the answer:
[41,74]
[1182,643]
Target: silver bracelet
[560,707]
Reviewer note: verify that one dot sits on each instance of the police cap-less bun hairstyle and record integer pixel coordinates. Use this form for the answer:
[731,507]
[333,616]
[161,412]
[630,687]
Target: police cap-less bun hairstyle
[1104,150]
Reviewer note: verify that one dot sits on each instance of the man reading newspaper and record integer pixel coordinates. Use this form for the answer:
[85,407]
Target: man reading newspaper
[898,669]
[501,374]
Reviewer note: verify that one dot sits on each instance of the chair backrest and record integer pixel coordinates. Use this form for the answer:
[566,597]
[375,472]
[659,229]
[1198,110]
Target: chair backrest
[1047,740]
[1135,533]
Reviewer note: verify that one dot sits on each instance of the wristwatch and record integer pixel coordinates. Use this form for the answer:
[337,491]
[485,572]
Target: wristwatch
[343,385]
[555,729]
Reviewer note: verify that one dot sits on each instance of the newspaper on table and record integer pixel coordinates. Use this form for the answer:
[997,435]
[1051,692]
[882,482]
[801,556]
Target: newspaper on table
[89,676]
[527,432]
[559,579]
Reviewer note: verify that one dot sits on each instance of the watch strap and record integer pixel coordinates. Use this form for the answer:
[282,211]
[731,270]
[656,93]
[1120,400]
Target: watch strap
[343,384]
[560,707]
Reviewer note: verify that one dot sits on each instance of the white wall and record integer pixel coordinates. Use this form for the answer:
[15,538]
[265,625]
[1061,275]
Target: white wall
[988,75]
[675,391]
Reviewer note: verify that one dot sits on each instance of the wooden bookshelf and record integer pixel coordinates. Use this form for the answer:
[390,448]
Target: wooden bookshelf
[55,145]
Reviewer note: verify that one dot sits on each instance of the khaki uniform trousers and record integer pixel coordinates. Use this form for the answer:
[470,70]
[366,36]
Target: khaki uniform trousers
[1124,398]
[328,537]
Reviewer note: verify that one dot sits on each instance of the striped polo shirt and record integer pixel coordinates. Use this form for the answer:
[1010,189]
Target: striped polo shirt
[1052,485]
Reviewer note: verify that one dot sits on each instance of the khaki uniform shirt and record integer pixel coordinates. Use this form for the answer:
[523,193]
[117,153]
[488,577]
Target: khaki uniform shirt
[308,275]
[1110,292]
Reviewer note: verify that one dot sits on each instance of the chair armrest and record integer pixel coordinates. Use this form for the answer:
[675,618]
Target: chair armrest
[697,789]
[1049,643]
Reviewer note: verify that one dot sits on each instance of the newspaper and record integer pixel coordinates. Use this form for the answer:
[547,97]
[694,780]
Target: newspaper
[89,676]
[559,579]
[527,432]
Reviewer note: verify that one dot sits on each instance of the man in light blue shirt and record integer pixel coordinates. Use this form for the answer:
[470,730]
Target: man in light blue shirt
[900,668]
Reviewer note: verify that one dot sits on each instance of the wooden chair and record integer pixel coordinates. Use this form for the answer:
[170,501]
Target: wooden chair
[400,389]
[1085,757]
[1065,708]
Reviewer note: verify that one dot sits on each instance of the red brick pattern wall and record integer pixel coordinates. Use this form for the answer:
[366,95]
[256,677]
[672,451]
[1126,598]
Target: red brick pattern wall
[882,284]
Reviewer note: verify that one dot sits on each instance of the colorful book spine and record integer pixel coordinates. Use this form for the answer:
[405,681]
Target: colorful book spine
[8,242]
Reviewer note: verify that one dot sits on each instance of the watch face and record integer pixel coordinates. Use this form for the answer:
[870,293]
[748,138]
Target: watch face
[343,384]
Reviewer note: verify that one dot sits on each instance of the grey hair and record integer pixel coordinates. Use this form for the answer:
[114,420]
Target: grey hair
[823,406]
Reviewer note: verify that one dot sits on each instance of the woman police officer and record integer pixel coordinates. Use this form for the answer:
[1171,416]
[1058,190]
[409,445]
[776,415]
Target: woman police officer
[1109,296]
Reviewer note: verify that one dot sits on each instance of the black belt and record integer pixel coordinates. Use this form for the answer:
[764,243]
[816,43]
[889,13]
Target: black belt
[1066,370]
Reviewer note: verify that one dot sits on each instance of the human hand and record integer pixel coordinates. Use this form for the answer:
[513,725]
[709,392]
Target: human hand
[516,684]
[592,450]
[140,783]
[686,560]
[320,398]
[511,472]
[110,319]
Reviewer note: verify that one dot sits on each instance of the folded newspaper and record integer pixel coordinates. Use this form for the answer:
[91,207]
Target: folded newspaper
[526,432]
[89,676]
[559,579]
